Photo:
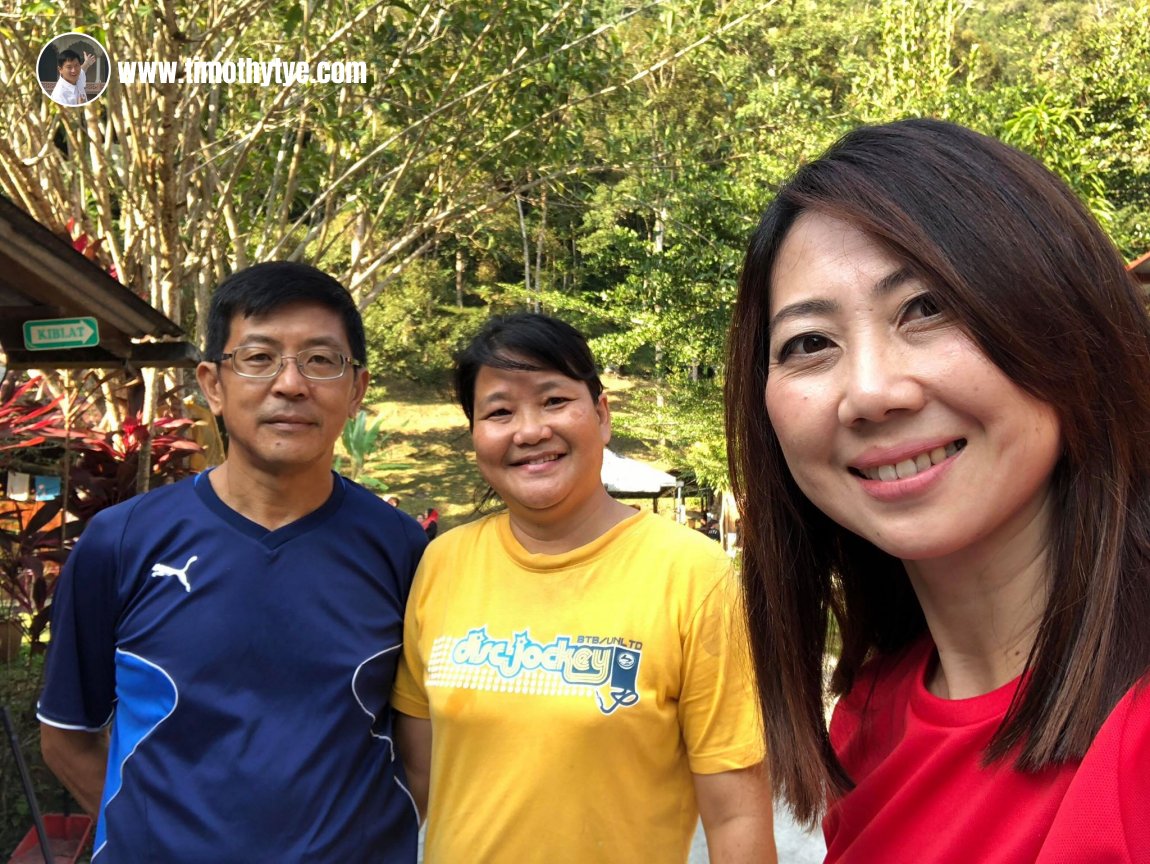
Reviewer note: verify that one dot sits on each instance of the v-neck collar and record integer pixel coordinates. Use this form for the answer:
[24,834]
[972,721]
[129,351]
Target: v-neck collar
[280,536]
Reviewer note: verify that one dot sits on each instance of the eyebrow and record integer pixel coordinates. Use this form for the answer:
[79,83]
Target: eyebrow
[550,384]
[821,306]
[313,342]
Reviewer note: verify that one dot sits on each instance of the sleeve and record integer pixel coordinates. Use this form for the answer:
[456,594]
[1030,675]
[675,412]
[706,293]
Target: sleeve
[409,696]
[79,672]
[718,705]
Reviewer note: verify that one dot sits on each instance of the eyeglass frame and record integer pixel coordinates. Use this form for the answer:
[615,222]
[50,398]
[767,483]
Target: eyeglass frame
[345,361]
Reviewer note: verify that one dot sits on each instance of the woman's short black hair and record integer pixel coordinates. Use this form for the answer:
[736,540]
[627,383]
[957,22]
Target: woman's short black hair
[527,342]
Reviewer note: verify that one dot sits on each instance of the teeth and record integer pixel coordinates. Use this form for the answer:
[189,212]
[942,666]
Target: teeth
[906,469]
[911,467]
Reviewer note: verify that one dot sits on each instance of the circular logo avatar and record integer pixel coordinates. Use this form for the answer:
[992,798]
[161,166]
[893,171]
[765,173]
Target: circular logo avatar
[73,69]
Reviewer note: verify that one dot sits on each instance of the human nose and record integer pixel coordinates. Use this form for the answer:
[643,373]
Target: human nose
[290,377]
[879,380]
[532,427]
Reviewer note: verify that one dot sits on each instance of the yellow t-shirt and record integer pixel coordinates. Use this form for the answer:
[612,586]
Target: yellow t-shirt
[572,696]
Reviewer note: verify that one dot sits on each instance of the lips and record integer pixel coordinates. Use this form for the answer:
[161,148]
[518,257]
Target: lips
[909,465]
[536,459]
[289,420]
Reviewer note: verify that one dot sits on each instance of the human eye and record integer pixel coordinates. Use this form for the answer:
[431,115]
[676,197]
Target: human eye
[556,401]
[496,413]
[805,345]
[255,358]
[922,307]
[321,359]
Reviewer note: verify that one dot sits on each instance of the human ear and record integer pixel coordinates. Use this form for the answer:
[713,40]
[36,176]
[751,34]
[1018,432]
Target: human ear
[358,391]
[604,412]
[208,377]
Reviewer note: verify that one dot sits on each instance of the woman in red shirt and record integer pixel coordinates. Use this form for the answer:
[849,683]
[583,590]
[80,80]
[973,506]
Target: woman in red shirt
[949,487]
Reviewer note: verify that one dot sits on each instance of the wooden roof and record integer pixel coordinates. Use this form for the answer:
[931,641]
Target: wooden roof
[43,277]
[1140,267]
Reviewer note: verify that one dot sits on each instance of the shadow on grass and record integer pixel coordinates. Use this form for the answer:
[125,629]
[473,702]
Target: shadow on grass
[434,449]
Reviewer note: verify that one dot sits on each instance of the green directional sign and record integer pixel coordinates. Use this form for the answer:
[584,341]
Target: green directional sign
[61,333]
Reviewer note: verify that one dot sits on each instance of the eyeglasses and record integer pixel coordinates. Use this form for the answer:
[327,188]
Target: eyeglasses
[315,364]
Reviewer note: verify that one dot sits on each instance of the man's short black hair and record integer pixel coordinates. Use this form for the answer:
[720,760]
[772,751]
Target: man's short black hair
[263,288]
[66,55]
[527,342]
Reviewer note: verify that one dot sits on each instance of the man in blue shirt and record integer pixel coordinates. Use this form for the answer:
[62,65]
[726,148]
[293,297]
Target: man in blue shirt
[238,631]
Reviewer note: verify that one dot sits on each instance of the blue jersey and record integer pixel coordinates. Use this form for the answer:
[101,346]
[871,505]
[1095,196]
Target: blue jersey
[246,674]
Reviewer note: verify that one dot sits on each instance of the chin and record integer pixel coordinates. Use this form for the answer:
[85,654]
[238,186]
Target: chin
[534,505]
[919,548]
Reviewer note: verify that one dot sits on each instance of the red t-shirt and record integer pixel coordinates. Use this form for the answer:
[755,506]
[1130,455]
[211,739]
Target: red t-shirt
[922,794]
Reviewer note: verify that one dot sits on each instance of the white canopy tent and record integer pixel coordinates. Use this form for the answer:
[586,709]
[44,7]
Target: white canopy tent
[629,478]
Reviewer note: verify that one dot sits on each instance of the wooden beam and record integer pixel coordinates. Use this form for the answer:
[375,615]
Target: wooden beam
[162,355]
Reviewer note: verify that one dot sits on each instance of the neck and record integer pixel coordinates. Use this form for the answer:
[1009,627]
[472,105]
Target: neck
[551,533]
[983,617]
[271,500]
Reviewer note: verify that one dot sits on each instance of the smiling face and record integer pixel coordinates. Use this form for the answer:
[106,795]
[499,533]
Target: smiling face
[892,421]
[539,439]
[288,423]
[70,71]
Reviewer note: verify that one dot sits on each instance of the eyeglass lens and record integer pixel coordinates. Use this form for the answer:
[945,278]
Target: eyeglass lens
[316,363]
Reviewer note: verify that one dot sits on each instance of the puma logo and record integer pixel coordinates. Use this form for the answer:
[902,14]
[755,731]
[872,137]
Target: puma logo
[181,573]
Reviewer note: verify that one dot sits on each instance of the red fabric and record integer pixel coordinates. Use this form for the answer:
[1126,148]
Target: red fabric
[922,794]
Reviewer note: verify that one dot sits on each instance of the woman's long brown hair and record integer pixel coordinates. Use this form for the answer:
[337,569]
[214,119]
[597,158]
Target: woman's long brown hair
[1031,277]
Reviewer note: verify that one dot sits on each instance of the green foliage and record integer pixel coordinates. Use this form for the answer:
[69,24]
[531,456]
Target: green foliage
[413,329]
[1054,131]
[643,253]
[604,159]
[361,437]
[20,682]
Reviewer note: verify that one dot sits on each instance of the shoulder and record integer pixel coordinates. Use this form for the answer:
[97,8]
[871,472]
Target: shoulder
[1127,732]
[689,562]
[666,536]
[464,553]
[482,530]
[473,549]
[689,574]
[365,508]
[881,689]
[1105,814]
[886,674]
[141,510]
[363,499]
